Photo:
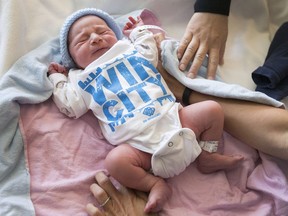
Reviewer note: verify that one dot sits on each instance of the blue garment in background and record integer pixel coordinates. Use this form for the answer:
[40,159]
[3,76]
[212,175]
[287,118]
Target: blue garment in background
[272,77]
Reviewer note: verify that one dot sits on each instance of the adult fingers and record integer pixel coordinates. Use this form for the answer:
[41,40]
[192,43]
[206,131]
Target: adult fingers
[190,53]
[221,54]
[184,42]
[197,61]
[93,211]
[100,195]
[216,57]
[105,183]
[213,62]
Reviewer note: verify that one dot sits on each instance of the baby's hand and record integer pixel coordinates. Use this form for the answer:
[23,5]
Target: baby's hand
[159,37]
[132,25]
[57,68]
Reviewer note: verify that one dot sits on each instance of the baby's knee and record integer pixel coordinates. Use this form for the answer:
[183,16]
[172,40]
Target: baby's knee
[215,109]
[214,105]
[121,157]
[116,159]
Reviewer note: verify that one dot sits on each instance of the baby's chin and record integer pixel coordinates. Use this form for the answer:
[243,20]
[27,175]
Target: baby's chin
[94,56]
[98,53]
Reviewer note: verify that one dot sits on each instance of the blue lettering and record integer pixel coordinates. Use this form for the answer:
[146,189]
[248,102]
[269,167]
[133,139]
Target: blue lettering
[107,113]
[89,79]
[124,71]
[138,64]
[110,80]
[126,101]
[121,121]
[139,89]
[157,81]
[114,85]
[98,94]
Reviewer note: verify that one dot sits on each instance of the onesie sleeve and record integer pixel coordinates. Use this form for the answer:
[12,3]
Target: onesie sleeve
[66,98]
[145,44]
[213,6]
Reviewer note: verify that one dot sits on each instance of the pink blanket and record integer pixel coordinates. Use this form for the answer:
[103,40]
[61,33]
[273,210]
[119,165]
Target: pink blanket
[64,154]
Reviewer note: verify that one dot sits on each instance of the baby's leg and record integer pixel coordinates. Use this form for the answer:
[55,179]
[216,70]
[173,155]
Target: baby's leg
[131,168]
[206,119]
[210,162]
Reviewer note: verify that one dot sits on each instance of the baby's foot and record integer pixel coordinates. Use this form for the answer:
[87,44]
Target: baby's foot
[211,162]
[158,195]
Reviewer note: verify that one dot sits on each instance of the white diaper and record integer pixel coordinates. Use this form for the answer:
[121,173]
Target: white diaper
[172,147]
[176,154]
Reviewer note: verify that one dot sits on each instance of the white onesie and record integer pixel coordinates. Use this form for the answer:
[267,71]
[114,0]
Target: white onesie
[132,103]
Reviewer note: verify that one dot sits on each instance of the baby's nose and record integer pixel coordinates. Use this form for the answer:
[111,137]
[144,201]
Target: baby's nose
[94,37]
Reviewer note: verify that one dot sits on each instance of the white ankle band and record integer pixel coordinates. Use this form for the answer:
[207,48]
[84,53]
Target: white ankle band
[209,146]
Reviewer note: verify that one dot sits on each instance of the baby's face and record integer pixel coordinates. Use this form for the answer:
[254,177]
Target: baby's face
[89,38]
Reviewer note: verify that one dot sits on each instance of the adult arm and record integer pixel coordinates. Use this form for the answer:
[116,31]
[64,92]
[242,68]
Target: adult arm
[206,33]
[261,126]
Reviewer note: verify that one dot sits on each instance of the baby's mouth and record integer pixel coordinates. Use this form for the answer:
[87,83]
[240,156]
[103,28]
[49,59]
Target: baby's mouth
[101,49]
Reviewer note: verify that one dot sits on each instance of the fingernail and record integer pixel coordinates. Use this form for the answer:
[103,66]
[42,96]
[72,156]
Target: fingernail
[182,67]
[191,75]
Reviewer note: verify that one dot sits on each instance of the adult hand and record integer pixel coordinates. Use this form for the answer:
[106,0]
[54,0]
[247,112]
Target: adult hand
[206,33]
[115,202]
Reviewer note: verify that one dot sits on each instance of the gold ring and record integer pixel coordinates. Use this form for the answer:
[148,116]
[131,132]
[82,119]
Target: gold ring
[105,202]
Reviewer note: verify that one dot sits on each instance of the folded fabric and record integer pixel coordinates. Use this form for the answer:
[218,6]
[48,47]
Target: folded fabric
[278,93]
[210,87]
[272,77]
[25,83]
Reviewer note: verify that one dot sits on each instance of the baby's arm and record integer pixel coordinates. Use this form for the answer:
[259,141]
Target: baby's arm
[142,39]
[65,95]
[57,68]
[132,25]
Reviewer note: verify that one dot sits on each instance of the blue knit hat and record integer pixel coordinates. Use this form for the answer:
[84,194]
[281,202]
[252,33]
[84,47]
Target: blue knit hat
[67,60]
